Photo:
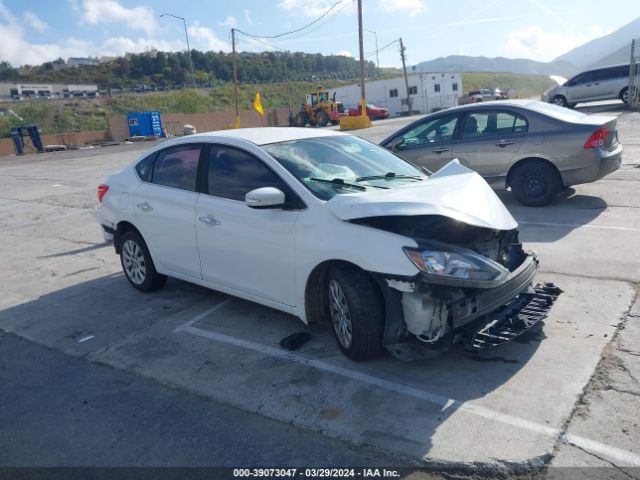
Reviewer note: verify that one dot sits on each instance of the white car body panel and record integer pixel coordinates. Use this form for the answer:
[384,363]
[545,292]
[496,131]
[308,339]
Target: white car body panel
[454,191]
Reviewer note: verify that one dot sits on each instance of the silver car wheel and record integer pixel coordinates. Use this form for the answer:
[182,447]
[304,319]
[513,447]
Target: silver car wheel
[133,260]
[558,101]
[340,315]
[625,96]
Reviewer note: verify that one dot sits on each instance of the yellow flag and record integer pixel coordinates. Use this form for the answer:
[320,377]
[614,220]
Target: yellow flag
[257,104]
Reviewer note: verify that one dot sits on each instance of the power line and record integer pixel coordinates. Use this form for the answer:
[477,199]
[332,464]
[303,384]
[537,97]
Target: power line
[296,30]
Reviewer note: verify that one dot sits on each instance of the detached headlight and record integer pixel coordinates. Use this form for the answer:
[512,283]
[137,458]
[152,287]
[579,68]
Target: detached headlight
[446,262]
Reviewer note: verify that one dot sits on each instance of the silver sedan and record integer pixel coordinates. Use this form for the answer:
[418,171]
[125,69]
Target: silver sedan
[532,147]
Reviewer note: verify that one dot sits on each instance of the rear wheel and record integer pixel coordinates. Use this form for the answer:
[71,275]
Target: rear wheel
[322,118]
[535,183]
[301,119]
[357,312]
[560,100]
[137,264]
[624,94]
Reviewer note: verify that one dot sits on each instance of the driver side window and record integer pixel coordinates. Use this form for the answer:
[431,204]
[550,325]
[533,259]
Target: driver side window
[439,129]
[233,173]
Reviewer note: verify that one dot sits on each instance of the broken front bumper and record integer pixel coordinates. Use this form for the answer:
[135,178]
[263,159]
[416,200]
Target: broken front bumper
[513,319]
[482,318]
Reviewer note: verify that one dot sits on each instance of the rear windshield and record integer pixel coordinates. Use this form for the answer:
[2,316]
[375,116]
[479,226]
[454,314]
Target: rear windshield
[555,111]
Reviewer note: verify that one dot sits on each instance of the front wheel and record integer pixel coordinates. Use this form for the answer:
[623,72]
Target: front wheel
[301,119]
[137,264]
[357,312]
[535,183]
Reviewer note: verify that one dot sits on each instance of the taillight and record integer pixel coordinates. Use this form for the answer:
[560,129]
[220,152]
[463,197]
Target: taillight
[102,189]
[597,139]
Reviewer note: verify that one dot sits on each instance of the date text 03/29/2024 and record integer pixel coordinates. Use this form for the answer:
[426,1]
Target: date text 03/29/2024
[315,473]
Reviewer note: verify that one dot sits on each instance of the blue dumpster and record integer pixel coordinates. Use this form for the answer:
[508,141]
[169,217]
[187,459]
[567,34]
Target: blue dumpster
[145,124]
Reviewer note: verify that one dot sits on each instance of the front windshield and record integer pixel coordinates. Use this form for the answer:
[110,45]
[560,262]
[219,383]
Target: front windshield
[330,166]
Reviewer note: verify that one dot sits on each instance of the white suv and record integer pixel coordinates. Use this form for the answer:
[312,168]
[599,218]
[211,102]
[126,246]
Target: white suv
[322,224]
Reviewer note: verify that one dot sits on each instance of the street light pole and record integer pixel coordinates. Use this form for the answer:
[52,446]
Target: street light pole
[377,58]
[184,23]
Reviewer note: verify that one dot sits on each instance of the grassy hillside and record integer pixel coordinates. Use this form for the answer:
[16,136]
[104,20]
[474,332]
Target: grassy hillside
[74,115]
[524,85]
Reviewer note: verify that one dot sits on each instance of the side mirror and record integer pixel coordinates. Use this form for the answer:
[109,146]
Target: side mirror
[395,143]
[265,197]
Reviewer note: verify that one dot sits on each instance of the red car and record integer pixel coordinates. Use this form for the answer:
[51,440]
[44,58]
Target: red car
[373,112]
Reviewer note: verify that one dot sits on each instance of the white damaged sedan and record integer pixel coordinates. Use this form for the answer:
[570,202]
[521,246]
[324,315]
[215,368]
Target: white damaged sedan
[325,225]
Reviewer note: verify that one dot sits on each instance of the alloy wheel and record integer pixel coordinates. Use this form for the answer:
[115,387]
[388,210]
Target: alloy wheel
[133,261]
[340,315]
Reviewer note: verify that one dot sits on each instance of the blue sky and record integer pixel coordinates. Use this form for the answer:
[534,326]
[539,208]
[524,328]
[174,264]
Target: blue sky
[32,32]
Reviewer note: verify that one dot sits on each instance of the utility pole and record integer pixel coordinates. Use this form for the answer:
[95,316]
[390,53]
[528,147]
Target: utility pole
[184,23]
[406,79]
[236,123]
[361,121]
[286,78]
[363,102]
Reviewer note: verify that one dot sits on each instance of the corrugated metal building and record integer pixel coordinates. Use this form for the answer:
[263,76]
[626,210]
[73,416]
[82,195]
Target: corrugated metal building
[429,92]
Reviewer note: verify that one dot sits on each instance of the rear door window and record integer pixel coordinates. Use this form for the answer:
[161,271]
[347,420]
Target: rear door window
[177,167]
[485,124]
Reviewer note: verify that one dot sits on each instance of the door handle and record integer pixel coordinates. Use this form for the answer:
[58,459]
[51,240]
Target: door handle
[145,207]
[209,220]
[504,143]
[440,150]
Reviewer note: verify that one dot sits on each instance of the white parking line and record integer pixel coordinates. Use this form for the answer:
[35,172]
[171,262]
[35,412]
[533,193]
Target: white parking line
[615,454]
[578,225]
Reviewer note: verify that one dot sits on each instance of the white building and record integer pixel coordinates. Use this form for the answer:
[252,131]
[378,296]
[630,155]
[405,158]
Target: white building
[22,91]
[429,92]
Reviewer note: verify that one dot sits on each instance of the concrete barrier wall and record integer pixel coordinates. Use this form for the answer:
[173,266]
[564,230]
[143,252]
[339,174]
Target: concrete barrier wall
[205,122]
[173,122]
[78,138]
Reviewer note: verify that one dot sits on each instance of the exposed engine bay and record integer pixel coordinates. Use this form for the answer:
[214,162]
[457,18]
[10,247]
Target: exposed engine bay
[475,286]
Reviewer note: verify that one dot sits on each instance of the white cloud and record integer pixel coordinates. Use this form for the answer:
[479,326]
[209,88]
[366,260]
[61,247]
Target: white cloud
[247,16]
[345,53]
[405,7]
[230,22]
[35,21]
[206,39]
[139,17]
[534,43]
[310,8]
[116,46]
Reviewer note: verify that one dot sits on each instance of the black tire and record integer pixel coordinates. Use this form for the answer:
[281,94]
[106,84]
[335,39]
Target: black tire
[322,118]
[144,276]
[535,183]
[301,119]
[365,309]
[560,100]
[572,105]
[624,95]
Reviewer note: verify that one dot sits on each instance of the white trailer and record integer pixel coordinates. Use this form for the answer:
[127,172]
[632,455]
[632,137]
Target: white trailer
[429,92]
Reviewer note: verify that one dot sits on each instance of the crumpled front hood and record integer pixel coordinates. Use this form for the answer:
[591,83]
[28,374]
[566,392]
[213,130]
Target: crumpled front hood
[454,191]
